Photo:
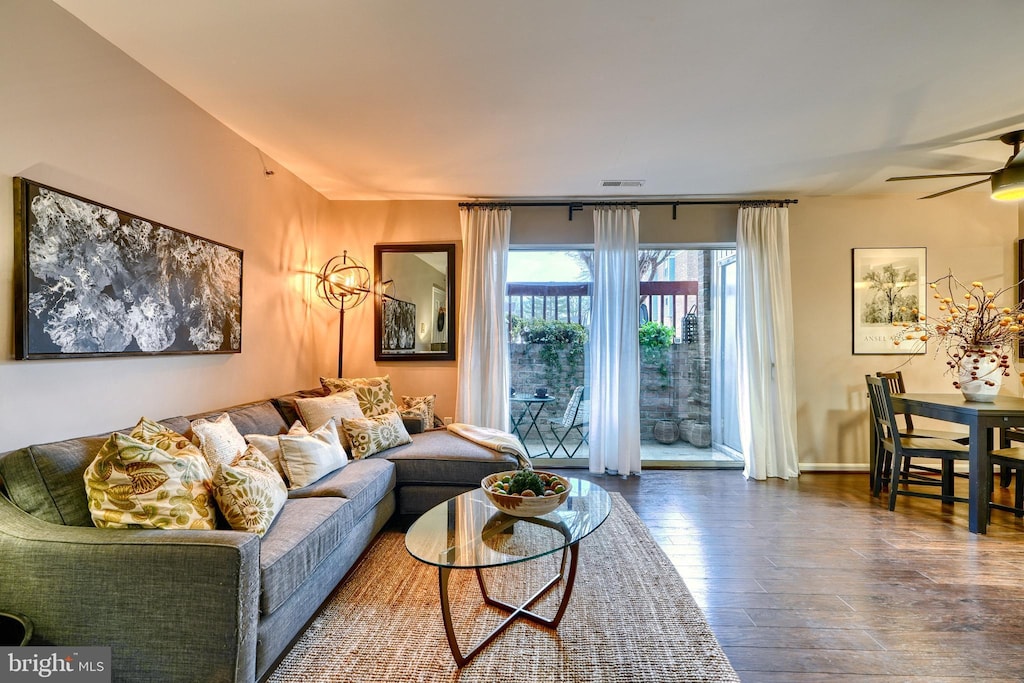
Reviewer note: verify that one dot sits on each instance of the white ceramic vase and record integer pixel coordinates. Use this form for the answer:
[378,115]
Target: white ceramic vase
[981,375]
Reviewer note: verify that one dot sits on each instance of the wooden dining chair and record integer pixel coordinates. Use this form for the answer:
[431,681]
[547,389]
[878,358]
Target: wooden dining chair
[897,449]
[1006,439]
[896,386]
[1009,460]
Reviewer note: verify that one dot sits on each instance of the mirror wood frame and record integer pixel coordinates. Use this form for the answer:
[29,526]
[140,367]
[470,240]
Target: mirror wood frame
[379,252]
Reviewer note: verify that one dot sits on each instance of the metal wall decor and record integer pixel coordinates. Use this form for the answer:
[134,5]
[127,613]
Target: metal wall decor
[91,280]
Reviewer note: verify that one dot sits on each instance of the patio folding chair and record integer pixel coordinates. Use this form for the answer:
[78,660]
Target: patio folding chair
[575,419]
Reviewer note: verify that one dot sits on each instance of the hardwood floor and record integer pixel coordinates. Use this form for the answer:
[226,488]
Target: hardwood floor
[813,579]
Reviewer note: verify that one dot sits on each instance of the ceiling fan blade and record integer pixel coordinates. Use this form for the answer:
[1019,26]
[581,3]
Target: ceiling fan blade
[962,187]
[939,175]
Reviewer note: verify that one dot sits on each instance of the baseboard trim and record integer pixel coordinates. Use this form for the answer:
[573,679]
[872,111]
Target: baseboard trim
[833,467]
[859,467]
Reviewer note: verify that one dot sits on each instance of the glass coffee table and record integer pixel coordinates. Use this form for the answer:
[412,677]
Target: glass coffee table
[468,532]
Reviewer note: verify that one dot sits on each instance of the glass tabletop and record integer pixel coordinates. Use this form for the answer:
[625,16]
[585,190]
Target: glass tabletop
[469,532]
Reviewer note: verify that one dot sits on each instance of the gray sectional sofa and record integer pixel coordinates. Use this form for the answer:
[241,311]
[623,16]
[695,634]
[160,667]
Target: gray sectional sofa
[205,605]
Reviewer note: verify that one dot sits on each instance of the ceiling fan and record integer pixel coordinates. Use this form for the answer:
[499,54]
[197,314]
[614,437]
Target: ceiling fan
[1007,182]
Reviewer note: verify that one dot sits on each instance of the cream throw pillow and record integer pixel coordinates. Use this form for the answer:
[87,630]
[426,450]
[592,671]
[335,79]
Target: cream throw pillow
[218,439]
[249,492]
[420,406]
[375,434]
[315,412]
[271,449]
[374,393]
[309,456]
[134,484]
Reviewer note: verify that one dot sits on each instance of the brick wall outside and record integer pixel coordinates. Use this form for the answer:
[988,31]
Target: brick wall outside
[674,383]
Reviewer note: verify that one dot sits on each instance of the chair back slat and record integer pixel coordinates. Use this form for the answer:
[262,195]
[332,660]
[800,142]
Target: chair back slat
[882,411]
[577,411]
[896,386]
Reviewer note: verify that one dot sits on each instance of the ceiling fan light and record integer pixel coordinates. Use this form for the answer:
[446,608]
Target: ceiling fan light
[1008,184]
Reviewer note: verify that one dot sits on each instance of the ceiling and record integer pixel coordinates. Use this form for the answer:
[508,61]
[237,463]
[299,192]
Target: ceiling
[406,99]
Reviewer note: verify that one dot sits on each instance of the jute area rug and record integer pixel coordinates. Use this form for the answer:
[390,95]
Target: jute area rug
[630,618]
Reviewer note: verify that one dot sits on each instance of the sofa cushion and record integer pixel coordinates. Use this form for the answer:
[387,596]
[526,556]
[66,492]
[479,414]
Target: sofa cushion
[315,412]
[260,417]
[305,533]
[420,406]
[374,393]
[218,439]
[370,435]
[45,480]
[286,404]
[440,457]
[363,482]
[152,479]
[309,456]
[249,491]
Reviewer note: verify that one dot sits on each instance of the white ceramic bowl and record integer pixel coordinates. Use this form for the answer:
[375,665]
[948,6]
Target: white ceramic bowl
[524,506]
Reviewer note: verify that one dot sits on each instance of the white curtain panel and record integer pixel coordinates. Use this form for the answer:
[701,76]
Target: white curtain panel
[483,335]
[766,373]
[614,343]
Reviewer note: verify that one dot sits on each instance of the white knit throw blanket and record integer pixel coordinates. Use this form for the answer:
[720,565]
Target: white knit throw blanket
[495,439]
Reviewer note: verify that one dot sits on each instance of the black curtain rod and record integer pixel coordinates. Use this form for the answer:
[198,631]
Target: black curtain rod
[578,206]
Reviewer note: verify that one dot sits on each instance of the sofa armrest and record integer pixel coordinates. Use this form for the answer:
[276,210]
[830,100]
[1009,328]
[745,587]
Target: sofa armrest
[171,605]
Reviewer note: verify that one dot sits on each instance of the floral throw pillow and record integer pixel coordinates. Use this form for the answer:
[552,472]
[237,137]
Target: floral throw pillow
[373,393]
[249,492]
[375,434]
[420,406]
[134,484]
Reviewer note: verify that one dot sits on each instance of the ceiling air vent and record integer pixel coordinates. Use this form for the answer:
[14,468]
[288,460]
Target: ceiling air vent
[622,183]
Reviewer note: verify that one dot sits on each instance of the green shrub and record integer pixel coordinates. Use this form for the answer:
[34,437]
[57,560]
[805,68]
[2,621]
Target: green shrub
[655,335]
[552,332]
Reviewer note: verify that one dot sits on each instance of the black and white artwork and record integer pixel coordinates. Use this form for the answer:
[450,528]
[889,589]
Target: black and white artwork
[399,325]
[96,281]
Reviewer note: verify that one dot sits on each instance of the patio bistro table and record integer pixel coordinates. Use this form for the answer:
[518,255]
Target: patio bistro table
[981,418]
[532,407]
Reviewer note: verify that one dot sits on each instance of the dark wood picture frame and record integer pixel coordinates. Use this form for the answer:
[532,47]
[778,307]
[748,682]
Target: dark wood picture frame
[94,281]
[875,337]
[395,283]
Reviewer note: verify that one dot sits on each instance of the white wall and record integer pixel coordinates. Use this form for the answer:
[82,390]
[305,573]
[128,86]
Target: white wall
[966,232]
[81,116]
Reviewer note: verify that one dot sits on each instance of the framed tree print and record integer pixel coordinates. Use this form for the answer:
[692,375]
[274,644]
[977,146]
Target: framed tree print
[889,288]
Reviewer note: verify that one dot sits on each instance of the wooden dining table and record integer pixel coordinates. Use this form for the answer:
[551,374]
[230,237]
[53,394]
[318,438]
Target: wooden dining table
[981,419]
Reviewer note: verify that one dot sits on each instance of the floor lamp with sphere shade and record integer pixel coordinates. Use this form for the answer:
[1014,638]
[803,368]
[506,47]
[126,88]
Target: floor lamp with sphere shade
[344,283]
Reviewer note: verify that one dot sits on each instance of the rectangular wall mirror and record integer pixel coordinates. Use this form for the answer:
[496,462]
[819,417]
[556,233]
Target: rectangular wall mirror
[414,308]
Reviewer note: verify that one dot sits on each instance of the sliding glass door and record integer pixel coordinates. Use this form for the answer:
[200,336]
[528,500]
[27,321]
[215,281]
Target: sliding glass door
[687,352]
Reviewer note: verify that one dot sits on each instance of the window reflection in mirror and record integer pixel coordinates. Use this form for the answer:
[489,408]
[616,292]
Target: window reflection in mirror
[415,291]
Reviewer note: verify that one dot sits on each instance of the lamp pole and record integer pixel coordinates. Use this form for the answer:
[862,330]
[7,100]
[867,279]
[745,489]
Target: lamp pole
[341,338]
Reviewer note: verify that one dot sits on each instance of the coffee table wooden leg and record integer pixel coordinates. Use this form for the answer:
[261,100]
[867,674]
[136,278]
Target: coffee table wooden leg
[443,573]
[521,611]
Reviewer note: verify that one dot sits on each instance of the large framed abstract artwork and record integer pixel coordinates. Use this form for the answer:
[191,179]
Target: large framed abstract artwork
[889,288]
[91,280]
